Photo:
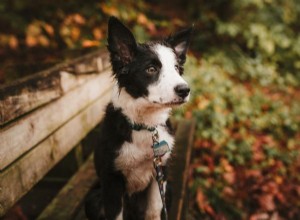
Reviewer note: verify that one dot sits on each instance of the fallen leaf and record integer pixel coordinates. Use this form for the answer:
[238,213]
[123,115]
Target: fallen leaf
[90,43]
[98,34]
[49,29]
[13,42]
[259,216]
[31,41]
[75,33]
[200,199]
[229,177]
[266,202]
[110,10]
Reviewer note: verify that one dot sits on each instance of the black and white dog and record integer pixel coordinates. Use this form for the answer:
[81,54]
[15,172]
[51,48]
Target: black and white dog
[148,84]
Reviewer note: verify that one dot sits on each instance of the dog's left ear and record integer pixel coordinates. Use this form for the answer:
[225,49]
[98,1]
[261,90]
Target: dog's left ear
[180,42]
[121,42]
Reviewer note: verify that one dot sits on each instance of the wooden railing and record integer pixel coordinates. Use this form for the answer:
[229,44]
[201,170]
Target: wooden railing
[44,116]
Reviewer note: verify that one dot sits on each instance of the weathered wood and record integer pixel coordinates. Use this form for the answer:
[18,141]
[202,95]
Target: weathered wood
[68,204]
[20,177]
[70,199]
[31,92]
[21,136]
[37,93]
[178,169]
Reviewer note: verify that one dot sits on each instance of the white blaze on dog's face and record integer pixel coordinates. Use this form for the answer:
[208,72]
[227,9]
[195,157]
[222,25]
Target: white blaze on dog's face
[148,74]
[170,88]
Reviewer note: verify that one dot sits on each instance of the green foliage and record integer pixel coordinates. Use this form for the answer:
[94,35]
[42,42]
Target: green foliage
[265,30]
[241,128]
[246,102]
[245,88]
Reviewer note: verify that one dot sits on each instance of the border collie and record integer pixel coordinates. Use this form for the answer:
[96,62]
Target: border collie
[148,84]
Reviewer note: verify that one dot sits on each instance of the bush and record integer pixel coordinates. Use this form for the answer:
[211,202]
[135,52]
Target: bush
[246,103]
[246,149]
[245,83]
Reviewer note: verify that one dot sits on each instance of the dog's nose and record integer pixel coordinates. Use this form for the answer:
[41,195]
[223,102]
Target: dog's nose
[182,90]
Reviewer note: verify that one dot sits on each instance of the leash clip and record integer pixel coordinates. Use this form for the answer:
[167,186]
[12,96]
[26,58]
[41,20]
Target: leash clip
[155,136]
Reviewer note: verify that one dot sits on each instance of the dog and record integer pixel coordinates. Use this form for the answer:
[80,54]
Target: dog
[148,84]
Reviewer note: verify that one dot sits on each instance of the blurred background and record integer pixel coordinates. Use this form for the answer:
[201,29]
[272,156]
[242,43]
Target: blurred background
[244,70]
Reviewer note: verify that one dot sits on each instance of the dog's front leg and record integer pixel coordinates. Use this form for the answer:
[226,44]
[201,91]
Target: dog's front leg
[155,205]
[113,191]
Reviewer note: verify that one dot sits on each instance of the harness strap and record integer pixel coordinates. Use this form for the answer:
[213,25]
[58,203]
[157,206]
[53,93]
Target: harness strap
[139,126]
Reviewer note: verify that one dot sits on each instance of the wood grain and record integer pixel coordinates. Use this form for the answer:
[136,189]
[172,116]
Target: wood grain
[178,169]
[68,204]
[70,199]
[29,93]
[24,134]
[21,176]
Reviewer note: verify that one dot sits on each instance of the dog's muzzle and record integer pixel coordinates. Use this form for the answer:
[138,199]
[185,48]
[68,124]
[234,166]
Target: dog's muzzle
[182,90]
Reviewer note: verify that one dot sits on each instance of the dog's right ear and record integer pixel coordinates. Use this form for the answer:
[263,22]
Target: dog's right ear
[180,42]
[121,42]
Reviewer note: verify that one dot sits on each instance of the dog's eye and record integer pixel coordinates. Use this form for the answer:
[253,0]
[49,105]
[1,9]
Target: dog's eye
[152,70]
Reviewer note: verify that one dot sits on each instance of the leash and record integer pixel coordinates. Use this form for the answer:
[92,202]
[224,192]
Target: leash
[160,148]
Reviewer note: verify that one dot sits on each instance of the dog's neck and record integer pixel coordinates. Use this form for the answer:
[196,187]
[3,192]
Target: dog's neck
[139,110]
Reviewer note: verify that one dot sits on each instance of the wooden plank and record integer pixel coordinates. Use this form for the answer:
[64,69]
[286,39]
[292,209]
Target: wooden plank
[79,73]
[70,199]
[31,92]
[25,133]
[68,204]
[38,92]
[178,169]
[19,178]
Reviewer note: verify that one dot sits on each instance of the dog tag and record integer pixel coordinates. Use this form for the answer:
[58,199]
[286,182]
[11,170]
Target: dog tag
[160,149]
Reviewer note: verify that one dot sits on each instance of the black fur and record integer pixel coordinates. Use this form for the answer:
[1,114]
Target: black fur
[113,135]
[136,79]
[130,62]
[130,59]
[180,43]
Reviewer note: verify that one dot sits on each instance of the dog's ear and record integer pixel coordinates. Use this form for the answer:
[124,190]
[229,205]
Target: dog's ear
[121,42]
[180,42]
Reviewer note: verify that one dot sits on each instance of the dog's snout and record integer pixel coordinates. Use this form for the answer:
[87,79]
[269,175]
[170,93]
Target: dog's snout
[182,90]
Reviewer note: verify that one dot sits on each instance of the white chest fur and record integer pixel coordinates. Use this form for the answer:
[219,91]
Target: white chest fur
[135,159]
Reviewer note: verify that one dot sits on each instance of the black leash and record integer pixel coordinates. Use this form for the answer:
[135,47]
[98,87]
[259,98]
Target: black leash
[160,149]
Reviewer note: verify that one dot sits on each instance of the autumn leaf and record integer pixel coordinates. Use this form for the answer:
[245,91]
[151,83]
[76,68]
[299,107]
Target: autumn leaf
[79,19]
[143,20]
[43,41]
[49,29]
[90,43]
[260,216]
[31,41]
[98,34]
[13,42]
[75,33]
[109,10]
[228,192]
[201,200]
[203,204]
[266,202]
